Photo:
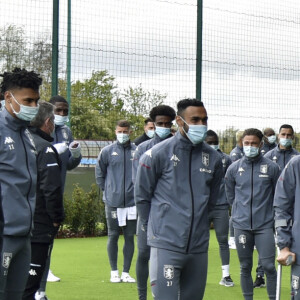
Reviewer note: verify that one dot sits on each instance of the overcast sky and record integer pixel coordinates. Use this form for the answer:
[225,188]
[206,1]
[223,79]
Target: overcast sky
[251,65]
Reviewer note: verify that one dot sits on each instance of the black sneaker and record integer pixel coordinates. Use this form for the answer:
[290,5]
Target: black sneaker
[259,282]
[226,281]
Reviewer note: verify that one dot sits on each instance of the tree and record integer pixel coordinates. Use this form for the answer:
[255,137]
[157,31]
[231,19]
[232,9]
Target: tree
[97,104]
[13,49]
[95,107]
[138,103]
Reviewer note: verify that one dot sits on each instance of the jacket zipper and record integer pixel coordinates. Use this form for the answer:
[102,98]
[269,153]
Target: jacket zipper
[192,197]
[30,183]
[251,196]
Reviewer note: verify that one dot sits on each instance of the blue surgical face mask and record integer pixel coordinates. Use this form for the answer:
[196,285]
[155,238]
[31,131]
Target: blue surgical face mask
[122,138]
[271,139]
[285,142]
[150,133]
[2,105]
[251,151]
[216,147]
[162,132]
[26,113]
[60,120]
[196,133]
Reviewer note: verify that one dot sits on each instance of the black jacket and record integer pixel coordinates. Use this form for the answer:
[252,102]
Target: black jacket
[140,139]
[49,196]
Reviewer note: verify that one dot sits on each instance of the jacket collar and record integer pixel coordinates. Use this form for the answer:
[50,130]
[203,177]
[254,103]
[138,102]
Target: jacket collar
[253,159]
[289,150]
[185,142]
[126,145]
[13,123]
[158,139]
[42,134]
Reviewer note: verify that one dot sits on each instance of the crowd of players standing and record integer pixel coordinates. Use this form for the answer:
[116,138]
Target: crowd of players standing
[180,185]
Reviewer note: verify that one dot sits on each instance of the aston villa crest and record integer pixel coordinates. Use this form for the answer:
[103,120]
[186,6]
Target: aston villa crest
[205,159]
[6,259]
[169,272]
[264,169]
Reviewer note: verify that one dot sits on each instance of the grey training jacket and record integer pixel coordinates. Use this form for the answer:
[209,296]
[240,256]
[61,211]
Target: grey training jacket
[236,153]
[287,207]
[114,174]
[226,162]
[141,149]
[18,176]
[267,147]
[280,156]
[177,184]
[250,186]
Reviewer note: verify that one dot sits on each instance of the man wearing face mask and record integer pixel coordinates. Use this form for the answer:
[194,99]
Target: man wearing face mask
[250,185]
[220,215]
[18,176]
[70,155]
[284,150]
[49,211]
[162,115]
[114,176]
[177,184]
[148,134]
[269,141]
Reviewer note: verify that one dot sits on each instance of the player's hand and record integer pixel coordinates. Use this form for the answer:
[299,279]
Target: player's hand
[286,257]
[75,149]
[56,224]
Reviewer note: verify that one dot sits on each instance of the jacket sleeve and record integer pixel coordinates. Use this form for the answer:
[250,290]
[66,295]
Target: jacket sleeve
[230,185]
[50,183]
[72,162]
[145,183]
[284,206]
[135,163]
[101,169]
[215,184]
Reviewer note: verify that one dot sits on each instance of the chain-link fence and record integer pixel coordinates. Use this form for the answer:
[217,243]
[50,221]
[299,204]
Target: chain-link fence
[127,56]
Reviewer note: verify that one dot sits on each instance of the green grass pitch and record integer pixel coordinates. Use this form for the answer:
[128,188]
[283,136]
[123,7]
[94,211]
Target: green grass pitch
[82,265]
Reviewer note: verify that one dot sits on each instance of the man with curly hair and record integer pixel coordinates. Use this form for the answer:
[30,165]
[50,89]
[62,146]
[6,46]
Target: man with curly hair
[162,115]
[18,176]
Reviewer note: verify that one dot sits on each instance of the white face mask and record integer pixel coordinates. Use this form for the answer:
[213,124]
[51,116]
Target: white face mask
[271,139]
[150,133]
[216,147]
[26,113]
[60,120]
[2,105]
[122,138]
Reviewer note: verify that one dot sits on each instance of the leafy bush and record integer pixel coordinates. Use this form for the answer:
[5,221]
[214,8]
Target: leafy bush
[85,214]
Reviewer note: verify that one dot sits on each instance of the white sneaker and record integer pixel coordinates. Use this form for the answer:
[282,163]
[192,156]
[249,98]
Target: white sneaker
[114,277]
[41,296]
[127,278]
[232,244]
[52,278]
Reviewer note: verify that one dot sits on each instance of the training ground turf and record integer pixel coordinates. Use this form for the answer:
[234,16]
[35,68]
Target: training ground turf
[83,267]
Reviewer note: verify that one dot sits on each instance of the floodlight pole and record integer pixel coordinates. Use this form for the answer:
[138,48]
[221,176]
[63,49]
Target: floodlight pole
[69,60]
[199,49]
[55,25]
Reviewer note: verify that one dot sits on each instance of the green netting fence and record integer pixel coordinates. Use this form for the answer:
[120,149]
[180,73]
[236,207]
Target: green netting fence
[128,56]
